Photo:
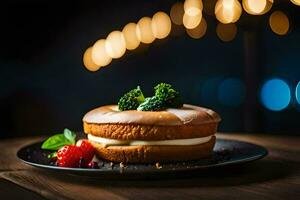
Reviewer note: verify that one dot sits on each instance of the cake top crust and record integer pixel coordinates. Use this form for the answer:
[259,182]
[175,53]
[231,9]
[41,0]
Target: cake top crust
[187,115]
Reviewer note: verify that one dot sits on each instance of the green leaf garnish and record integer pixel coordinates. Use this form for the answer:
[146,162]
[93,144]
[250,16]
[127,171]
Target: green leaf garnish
[52,155]
[57,141]
[70,135]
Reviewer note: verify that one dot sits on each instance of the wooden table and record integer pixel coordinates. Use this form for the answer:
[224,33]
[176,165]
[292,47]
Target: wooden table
[275,177]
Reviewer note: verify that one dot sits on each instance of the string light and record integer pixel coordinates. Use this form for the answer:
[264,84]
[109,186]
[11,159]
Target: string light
[189,14]
[99,54]
[275,94]
[88,62]
[298,92]
[130,36]
[257,7]
[226,32]
[191,22]
[176,13]
[279,23]
[115,44]
[161,25]
[144,30]
[193,7]
[199,31]
[296,2]
[228,11]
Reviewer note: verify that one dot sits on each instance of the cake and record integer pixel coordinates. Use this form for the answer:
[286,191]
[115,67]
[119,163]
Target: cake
[133,136]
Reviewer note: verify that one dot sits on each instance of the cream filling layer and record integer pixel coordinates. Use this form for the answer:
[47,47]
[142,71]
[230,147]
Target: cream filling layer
[114,142]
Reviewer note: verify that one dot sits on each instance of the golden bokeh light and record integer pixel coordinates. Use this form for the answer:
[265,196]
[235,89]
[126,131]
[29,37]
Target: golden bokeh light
[99,54]
[296,2]
[88,62]
[199,31]
[176,13]
[228,11]
[130,36]
[279,23]
[193,7]
[144,30]
[226,32]
[161,25]
[115,44]
[257,7]
[191,22]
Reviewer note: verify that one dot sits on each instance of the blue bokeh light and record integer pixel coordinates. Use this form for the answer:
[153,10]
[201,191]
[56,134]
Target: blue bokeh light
[275,94]
[298,92]
[231,92]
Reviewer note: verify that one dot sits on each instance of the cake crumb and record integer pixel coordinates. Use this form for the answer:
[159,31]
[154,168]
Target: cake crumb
[158,166]
[111,164]
[122,167]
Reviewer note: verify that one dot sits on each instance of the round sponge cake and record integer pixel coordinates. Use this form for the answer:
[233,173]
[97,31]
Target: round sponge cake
[132,136]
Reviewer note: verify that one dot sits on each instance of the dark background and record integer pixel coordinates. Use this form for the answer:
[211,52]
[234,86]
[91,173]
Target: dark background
[44,86]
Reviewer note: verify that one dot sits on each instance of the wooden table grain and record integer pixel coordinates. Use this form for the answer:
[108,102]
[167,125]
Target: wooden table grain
[275,177]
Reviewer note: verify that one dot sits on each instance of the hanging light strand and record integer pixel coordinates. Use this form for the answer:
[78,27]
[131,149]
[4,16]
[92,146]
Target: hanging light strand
[188,14]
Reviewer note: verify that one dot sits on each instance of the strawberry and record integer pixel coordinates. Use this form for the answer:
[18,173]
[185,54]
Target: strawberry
[88,150]
[69,156]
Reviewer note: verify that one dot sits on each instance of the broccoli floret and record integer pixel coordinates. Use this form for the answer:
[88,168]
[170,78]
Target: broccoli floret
[131,100]
[165,97]
[152,104]
[169,95]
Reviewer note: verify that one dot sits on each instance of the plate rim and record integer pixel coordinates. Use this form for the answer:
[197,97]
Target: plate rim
[150,170]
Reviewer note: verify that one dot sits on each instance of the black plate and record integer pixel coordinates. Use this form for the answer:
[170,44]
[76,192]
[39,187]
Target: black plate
[226,152]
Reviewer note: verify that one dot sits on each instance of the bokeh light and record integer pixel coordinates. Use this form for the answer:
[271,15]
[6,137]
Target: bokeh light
[193,7]
[257,7]
[279,23]
[226,32]
[115,44]
[296,2]
[161,25]
[130,36]
[144,30]
[191,22]
[228,11]
[298,92]
[88,62]
[199,31]
[99,54]
[275,94]
[177,13]
[231,92]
